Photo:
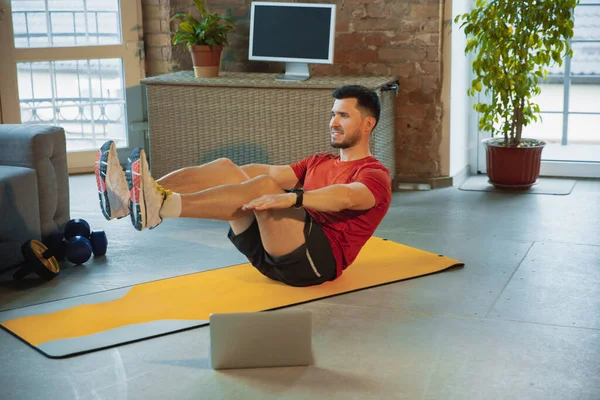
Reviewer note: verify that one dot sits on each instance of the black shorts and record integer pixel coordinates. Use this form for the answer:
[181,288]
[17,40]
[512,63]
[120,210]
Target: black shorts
[310,264]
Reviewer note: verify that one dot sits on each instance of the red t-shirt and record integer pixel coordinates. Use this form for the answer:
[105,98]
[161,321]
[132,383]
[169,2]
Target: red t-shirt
[347,230]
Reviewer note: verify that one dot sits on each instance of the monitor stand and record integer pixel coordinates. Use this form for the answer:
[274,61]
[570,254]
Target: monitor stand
[294,72]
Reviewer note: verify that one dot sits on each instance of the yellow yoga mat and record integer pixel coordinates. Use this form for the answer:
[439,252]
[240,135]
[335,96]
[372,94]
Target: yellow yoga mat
[100,320]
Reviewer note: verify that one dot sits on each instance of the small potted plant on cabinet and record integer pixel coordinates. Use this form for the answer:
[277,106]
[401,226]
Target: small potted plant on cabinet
[514,42]
[204,38]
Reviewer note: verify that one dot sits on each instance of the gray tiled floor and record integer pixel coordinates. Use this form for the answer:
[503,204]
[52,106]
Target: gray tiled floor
[520,321]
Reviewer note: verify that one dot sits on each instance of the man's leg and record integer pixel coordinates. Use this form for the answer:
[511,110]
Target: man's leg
[274,225]
[282,230]
[215,173]
[114,191]
[195,179]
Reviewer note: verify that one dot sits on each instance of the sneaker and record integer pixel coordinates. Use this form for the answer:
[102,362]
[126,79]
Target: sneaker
[112,184]
[146,196]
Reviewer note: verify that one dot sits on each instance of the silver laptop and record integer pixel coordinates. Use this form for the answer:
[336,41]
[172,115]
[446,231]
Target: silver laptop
[261,339]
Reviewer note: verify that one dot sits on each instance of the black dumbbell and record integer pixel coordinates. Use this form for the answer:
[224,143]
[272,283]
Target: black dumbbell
[78,243]
[33,252]
[80,228]
[77,246]
[73,246]
[55,241]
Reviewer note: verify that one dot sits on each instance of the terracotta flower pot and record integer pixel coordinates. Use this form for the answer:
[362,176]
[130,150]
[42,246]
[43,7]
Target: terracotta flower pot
[206,60]
[513,167]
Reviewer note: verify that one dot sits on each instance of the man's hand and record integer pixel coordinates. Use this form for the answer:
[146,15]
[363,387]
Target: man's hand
[271,201]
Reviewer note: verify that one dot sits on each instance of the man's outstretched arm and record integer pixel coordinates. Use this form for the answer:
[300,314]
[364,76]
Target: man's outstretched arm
[351,196]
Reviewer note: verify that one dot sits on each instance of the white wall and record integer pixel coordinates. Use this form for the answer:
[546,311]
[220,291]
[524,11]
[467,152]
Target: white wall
[458,147]
[461,109]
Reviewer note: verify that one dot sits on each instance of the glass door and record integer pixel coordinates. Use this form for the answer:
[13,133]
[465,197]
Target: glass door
[75,64]
[570,104]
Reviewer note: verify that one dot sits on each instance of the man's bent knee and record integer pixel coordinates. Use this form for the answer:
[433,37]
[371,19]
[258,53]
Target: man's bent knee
[266,184]
[225,162]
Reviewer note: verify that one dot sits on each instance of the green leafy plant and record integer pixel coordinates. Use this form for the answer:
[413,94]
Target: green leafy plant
[514,42]
[209,30]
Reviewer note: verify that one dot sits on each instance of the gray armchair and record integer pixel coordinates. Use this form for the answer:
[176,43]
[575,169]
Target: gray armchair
[34,186]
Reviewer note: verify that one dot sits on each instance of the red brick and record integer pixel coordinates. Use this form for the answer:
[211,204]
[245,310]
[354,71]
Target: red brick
[421,153]
[431,26]
[418,163]
[419,11]
[397,54]
[152,26]
[402,69]
[158,40]
[323,69]
[433,53]
[348,40]
[377,10]
[432,111]
[401,38]
[343,19]
[155,12]
[373,24]
[422,39]
[239,11]
[165,26]
[359,11]
[426,67]
[158,68]
[154,53]
[402,123]
[399,9]
[409,27]
[364,55]
[212,9]
[352,69]
[376,39]
[377,69]
[181,2]
[413,111]
[411,84]
[415,126]
[402,97]
[420,97]
[430,83]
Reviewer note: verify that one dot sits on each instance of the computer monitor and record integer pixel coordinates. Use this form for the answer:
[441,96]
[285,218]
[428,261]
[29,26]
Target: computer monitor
[295,33]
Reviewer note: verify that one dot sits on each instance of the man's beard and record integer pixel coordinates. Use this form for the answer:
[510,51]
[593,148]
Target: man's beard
[347,141]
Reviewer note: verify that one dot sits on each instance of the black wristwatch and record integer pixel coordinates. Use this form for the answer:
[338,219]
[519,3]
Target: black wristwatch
[299,196]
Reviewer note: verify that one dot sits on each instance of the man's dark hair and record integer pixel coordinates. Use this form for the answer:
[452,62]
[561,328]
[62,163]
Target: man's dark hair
[366,99]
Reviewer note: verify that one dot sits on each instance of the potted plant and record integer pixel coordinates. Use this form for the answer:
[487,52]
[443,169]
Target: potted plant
[204,38]
[514,42]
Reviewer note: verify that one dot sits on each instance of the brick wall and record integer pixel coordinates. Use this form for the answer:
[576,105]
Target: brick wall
[373,37]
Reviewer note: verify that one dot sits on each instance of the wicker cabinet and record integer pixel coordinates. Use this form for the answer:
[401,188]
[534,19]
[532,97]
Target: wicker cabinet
[251,118]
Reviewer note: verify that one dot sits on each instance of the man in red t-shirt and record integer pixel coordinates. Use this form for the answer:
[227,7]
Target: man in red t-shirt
[301,224]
